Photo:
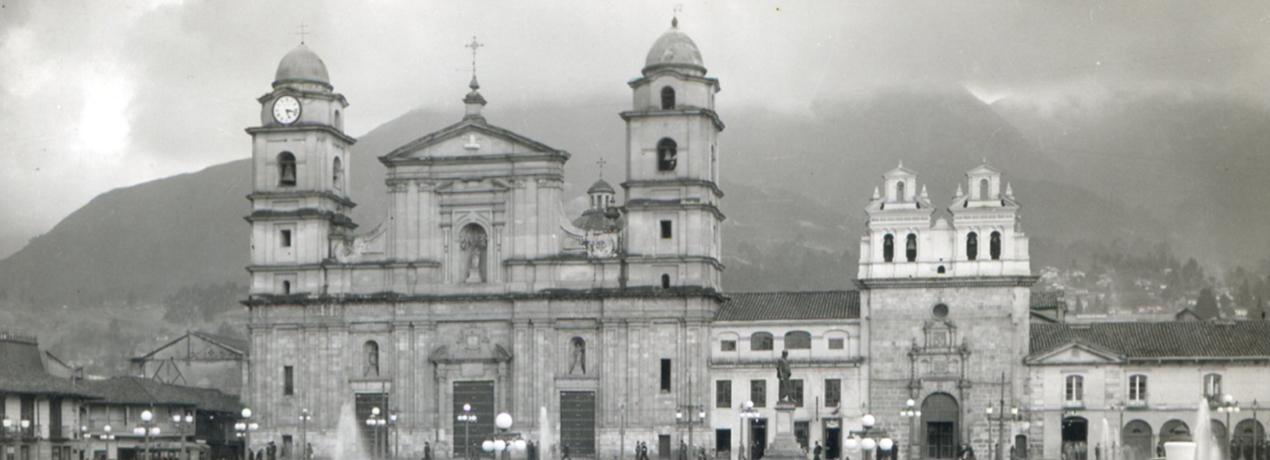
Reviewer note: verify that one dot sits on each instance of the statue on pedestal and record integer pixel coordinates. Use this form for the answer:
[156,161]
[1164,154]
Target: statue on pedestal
[782,375]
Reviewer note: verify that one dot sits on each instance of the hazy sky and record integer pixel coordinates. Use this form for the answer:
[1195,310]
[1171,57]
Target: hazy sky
[96,95]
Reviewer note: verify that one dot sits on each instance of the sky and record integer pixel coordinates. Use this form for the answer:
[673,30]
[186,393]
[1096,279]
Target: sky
[96,95]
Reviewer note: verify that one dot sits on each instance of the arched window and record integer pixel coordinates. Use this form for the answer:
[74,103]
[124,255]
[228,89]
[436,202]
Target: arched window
[667,98]
[797,340]
[910,248]
[286,169]
[972,246]
[1074,389]
[983,189]
[761,341]
[1136,439]
[899,191]
[665,281]
[337,173]
[888,248]
[1137,387]
[667,155]
[371,351]
[994,248]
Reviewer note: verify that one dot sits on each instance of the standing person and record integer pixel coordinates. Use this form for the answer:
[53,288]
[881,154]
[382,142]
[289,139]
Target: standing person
[564,452]
[815,452]
[683,450]
[531,451]
[427,451]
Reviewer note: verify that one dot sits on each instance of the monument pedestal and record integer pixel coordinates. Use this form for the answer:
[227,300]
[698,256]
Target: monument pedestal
[784,445]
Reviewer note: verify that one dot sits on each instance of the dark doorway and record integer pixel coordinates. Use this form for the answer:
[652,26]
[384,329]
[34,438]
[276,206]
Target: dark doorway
[663,446]
[577,421]
[1249,438]
[373,438]
[940,416]
[802,432]
[758,436]
[833,438]
[480,394]
[1075,438]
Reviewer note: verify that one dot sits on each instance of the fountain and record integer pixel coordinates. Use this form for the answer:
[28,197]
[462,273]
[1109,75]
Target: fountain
[545,443]
[348,438]
[1203,447]
[1108,451]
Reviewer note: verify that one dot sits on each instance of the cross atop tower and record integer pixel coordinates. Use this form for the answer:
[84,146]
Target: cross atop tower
[475,45]
[674,18]
[302,32]
[601,162]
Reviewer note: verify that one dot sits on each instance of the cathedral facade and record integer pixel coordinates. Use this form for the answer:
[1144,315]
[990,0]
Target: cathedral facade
[610,328]
[477,290]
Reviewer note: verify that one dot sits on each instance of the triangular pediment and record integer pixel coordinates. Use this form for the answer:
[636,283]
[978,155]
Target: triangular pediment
[468,138]
[1076,352]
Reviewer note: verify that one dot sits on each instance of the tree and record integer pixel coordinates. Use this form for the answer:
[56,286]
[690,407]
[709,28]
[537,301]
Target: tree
[1206,304]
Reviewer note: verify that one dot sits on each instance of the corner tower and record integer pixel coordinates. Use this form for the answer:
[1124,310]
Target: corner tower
[672,169]
[300,162]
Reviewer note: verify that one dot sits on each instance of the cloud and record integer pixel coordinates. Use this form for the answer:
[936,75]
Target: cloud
[105,94]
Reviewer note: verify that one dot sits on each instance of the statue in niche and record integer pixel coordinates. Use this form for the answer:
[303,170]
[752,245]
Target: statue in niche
[579,355]
[473,243]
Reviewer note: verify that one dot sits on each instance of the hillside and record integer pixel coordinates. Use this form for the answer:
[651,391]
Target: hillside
[796,187]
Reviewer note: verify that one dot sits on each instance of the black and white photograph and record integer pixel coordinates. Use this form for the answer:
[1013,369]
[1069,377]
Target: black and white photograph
[634,230]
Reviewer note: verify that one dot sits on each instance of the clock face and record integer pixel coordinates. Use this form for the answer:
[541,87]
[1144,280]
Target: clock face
[286,110]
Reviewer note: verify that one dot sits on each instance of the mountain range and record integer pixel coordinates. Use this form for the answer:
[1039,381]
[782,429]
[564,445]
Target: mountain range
[1188,170]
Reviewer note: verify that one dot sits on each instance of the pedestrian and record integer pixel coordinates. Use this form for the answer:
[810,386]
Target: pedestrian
[683,450]
[564,452]
[427,450]
[531,450]
[816,451]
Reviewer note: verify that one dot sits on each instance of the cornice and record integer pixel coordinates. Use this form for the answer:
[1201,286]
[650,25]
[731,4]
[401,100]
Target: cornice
[644,203]
[718,193]
[334,218]
[303,127]
[711,114]
[556,156]
[982,281]
[303,194]
[547,294]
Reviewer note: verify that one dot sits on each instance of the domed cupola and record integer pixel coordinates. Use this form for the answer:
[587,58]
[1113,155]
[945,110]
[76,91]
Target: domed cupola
[674,49]
[302,65]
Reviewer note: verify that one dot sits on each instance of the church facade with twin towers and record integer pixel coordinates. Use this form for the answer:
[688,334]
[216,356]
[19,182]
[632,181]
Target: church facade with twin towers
[608,328]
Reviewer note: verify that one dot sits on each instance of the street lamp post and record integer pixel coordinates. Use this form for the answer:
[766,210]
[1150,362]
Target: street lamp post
[748,413]
[107,436]
[375,422]
[145,430]
[1228,405]
[502,441]
[7,426]
[683,416]
[244,428]
[181,423]
[396,436]
[870,439]
[305,416]
[467,418]
[911,413]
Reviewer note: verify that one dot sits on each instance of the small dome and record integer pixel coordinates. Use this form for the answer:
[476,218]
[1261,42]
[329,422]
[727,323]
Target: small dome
[301,65]
[601,187]
[674,48]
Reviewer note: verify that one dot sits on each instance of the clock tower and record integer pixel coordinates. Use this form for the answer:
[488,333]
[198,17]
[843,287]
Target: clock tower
[300,159]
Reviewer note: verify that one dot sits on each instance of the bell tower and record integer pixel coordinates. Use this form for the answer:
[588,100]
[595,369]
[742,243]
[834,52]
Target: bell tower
[672,169]
[300,163]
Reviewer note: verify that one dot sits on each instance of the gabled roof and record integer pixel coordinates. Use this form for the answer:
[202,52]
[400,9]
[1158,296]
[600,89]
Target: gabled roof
[1077,351]
[143,391]
[467,124]
[22,369]
[774,306]
[1159,340]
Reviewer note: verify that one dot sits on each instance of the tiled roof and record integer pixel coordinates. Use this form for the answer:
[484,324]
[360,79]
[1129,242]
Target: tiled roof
[22,369]
[1046,299]
[138,390]
[809,305]
[1157,340]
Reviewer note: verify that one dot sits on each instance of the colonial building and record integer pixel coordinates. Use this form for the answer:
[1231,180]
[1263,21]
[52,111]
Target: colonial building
[186,422]
[1136,385]
[39,411]
[477,290]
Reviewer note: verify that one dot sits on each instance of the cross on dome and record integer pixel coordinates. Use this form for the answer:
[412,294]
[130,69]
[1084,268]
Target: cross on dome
[601,162]
[302,32]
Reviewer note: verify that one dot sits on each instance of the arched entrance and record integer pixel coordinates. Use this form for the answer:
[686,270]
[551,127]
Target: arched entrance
[1075,438]
[1221,436]
[1172,429]
[1249,443]
[939,426]
[1136,439]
